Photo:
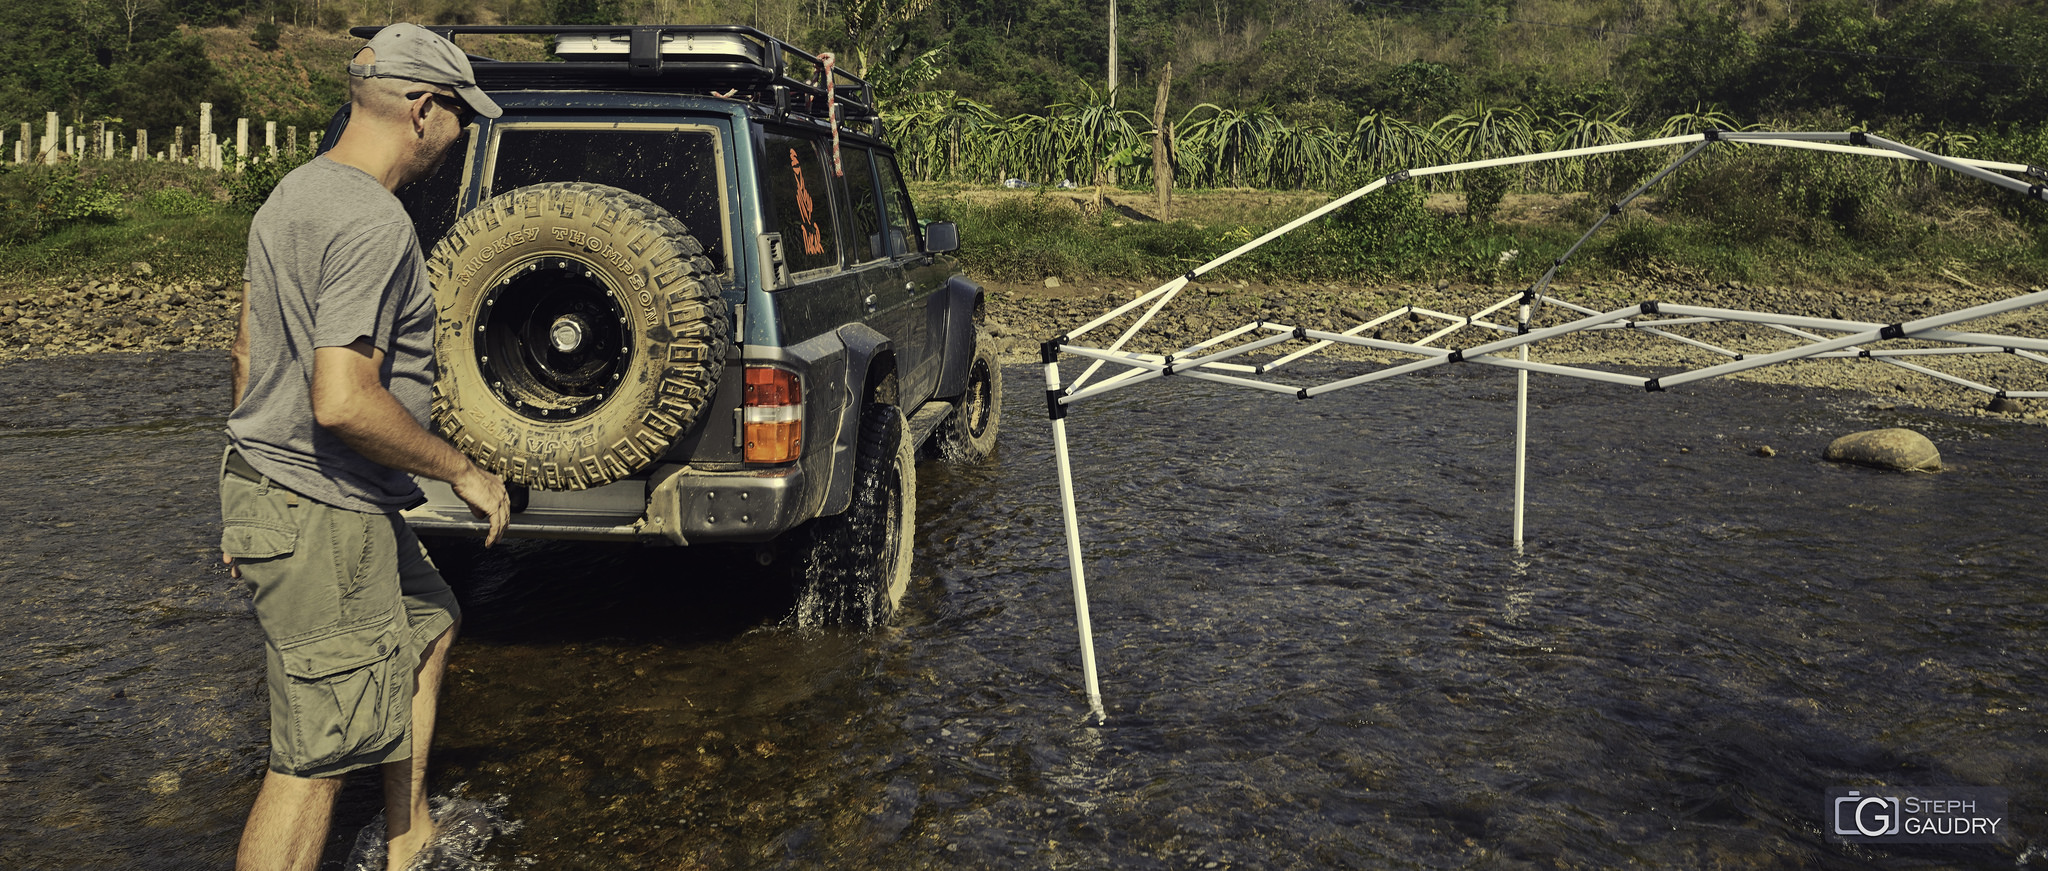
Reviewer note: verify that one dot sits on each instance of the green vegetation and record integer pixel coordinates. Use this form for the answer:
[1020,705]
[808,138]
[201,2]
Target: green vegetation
[1752,214]
[1314,96]
[97,217]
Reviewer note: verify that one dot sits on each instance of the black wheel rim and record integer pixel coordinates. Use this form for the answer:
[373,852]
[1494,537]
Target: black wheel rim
[552,339]
[979,401]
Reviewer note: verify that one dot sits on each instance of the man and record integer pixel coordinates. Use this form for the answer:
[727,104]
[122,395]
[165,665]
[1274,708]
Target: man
[333,371]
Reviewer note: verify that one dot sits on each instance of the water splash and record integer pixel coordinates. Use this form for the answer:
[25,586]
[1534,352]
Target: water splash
[463,827]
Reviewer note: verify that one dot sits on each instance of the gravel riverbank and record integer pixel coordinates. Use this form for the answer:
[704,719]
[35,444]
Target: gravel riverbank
[141,313]
[1023,316]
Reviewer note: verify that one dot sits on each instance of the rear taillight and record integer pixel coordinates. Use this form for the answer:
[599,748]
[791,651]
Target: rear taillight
[772,416]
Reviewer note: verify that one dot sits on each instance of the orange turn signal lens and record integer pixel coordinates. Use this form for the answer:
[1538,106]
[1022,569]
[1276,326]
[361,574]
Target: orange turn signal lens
[772,415]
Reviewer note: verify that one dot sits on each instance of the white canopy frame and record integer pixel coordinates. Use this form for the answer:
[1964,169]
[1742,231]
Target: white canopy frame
[1211,359]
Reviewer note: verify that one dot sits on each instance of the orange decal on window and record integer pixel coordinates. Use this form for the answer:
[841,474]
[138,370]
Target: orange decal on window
[814,239]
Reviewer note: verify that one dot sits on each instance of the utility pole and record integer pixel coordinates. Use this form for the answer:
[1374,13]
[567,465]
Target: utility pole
[1112,52]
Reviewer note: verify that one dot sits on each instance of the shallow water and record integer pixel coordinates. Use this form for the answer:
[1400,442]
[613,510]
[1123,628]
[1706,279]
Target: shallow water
[1317,647]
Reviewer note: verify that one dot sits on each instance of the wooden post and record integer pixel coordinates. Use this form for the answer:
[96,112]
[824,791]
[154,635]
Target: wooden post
[1162,146]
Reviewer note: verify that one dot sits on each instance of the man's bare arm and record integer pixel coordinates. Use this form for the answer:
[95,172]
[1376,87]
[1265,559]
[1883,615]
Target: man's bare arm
[238,353]
[350,401]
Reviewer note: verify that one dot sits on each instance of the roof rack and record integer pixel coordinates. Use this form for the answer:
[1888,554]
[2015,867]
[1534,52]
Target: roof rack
[724,60]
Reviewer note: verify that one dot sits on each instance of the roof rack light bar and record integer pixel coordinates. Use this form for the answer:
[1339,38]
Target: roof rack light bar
[671,57]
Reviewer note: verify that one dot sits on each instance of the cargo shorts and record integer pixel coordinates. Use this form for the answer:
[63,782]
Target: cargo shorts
[349,603]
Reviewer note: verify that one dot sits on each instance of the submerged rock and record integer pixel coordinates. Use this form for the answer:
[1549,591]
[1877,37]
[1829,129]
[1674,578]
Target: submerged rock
[1900,449]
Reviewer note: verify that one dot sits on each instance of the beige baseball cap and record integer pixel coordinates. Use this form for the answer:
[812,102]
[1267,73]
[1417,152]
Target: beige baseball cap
[414,53]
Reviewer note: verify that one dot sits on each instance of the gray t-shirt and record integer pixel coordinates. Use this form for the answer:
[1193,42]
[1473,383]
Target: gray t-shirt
[333,258]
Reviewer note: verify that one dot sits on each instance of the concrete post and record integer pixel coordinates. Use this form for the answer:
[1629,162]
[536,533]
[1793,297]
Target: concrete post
[142,143]
[291,138]
[49,149]
[270,138]
[178,145]
[241,144]
[207,157]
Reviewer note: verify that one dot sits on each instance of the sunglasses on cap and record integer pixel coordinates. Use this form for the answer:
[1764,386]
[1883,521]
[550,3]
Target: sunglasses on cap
[463,114]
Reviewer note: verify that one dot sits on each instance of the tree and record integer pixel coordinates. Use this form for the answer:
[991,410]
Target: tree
[868,23]
[132,11]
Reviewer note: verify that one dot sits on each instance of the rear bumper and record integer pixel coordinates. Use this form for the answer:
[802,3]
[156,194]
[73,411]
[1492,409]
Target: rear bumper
[676,505]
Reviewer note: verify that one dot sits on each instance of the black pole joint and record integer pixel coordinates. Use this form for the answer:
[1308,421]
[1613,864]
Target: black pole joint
[1053,409]
[1893,331]
[1652,386]
[1649,308]
[1049,351]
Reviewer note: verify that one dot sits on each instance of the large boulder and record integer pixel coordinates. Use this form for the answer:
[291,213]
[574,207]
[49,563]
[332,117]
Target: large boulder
[1901,449]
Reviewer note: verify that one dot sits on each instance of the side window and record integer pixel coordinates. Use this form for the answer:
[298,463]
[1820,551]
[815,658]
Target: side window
[902,219]
[793,175]
[864,223]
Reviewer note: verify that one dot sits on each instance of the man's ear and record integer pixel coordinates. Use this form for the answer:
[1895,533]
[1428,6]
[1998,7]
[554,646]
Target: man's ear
[416,112]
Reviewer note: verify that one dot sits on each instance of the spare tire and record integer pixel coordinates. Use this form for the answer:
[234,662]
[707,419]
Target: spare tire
[580,334]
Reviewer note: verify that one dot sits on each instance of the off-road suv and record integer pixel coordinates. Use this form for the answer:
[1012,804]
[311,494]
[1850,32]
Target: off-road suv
[685,299]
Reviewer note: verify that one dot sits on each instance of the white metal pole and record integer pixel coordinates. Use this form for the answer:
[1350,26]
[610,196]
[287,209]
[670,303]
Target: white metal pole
[1521,430]
[1073,525]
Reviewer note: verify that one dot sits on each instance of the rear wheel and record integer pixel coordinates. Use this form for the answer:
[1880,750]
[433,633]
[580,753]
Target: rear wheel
[969,434]
[850,569]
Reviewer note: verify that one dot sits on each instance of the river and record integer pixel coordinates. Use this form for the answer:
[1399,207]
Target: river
[1318,648]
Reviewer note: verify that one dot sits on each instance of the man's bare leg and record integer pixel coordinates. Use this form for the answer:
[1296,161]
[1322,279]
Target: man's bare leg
[288,826]
[406,822]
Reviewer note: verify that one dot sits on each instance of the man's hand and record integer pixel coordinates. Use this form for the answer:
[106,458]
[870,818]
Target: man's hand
[485,495]
[234,571]
[350,401]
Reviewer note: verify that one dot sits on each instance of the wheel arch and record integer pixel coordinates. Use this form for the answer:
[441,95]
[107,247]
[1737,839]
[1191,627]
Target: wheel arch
[966,310]
[869,374]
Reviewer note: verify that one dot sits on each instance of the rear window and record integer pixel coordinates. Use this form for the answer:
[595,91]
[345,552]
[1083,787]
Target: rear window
[677,168]
[433,201]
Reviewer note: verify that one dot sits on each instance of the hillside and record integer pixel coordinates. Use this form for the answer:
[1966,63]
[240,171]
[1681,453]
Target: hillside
[1913,64]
